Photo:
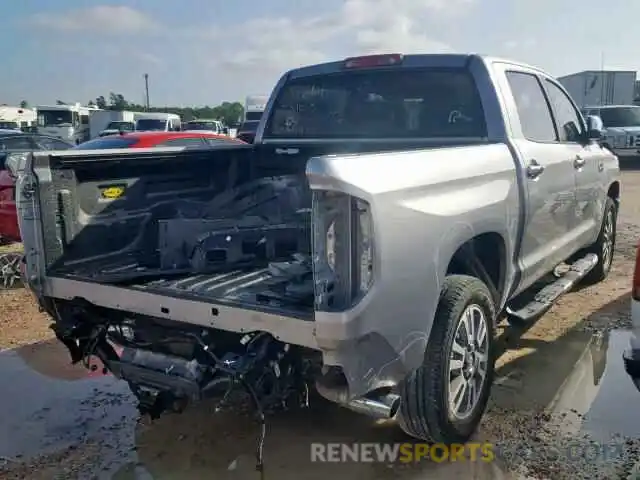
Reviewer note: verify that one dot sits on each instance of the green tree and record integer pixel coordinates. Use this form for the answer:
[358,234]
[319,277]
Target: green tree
[24,104]
[117,102]
[101,102]
[227,112]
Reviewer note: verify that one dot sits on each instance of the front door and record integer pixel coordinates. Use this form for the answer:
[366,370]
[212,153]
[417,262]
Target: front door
[588,160]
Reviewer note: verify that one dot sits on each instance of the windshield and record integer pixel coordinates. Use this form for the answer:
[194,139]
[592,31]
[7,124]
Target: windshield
[253,115]
[8,125]
[106,142]
[620,117]
[249,126]
[58,118]
[200,126]
[403,103]
[151,124]
[123,126]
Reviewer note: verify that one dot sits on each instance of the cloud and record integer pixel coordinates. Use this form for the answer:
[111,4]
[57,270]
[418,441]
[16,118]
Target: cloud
[102,18]
[358,27]
[256,51]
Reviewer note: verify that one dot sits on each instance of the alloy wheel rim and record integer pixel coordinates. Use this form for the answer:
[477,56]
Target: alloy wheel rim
[607,243]
[468,362]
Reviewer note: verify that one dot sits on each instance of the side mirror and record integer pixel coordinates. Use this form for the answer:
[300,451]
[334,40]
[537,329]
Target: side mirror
[595,127]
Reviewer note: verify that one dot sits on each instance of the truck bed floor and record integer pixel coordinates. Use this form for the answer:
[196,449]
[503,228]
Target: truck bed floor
[249,286]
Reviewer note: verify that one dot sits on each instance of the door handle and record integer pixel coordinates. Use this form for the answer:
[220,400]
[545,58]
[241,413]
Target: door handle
[534,169]
[600,167]
[579,162]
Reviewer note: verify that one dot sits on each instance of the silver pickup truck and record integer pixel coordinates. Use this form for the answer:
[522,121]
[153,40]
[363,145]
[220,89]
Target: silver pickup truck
[392,209]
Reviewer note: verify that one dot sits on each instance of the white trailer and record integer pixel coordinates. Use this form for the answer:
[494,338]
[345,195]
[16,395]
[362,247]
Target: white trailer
[254,107]
[109,122]
[67,122]
[16,118]
[601,87]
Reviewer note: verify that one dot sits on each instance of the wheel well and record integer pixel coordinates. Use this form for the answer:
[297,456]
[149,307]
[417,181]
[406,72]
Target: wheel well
[483,257]
[614,191]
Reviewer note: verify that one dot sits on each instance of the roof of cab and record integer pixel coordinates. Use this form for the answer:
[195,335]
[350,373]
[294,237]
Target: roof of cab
[415,60]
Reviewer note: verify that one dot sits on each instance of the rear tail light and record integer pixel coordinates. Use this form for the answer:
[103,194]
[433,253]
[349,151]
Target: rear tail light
[635,291]
[370,61]
[343,250]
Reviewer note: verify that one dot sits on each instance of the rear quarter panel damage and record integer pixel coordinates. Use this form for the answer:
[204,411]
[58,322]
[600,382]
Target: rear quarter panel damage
[425,204]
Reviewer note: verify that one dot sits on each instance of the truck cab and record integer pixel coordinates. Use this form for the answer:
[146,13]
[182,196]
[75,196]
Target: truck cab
[69,123]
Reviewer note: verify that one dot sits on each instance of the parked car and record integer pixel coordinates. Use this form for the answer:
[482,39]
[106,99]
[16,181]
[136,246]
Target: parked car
[621,128]
[390,209]
[156,139]
[15,141]
[13,144]
[247,130]
[631,356]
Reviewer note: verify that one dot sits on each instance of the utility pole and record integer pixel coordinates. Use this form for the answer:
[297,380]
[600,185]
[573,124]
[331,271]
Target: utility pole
[602,74]
[146,90]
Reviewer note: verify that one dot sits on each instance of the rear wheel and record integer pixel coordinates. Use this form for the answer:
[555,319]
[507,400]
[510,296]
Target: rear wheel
[444,399]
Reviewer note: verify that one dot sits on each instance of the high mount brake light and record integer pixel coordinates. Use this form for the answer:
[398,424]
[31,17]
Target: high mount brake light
[369,61]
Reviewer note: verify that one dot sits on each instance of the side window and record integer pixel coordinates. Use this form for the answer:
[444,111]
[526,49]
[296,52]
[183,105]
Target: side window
[84,119]
[16,143]
[568,121]
[183,142]
[533,110]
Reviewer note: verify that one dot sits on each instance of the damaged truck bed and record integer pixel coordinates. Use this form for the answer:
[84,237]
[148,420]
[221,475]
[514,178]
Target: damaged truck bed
[364,246]
[246,243]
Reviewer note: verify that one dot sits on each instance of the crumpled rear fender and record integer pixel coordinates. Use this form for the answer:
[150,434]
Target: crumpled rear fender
[425,205]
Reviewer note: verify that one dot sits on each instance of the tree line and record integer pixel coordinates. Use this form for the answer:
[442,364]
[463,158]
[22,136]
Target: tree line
[230,113]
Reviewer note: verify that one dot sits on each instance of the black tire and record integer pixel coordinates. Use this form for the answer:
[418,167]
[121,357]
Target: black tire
[424,408]
[603,267]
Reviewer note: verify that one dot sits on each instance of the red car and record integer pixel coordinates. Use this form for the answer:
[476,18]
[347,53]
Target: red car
[156,139]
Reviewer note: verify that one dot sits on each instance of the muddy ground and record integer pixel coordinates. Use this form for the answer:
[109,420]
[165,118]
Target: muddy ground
[562,406]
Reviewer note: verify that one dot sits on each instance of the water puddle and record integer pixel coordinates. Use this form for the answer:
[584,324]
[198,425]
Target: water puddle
[52,406]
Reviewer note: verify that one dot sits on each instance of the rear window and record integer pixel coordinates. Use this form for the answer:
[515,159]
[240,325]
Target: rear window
[403,103]
[106,142]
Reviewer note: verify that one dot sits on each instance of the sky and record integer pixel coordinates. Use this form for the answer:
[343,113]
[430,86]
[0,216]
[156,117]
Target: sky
[203,52]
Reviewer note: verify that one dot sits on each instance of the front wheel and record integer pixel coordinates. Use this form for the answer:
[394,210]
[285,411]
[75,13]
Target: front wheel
[604,246]
[443,400]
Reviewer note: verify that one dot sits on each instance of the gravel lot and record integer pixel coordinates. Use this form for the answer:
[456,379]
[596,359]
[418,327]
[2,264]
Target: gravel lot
[552,391]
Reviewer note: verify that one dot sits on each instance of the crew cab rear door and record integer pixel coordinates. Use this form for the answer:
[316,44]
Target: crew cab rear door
[548,176]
